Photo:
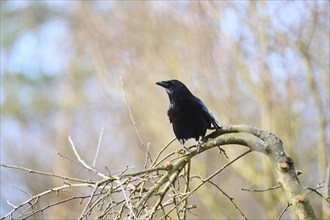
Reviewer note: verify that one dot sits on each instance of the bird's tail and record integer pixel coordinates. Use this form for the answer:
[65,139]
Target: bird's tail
[215,125]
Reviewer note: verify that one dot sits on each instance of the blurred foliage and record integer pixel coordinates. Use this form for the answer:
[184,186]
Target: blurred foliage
[264,63]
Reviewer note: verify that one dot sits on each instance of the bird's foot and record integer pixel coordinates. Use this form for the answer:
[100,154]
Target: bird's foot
[186,150]
[198,145]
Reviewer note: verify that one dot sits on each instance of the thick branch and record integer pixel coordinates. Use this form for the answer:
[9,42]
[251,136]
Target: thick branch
[272,147]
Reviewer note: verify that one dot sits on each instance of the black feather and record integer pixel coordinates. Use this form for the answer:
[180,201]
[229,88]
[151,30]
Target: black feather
[189,116]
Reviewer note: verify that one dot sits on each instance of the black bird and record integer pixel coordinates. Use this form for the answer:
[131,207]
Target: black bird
[189,116]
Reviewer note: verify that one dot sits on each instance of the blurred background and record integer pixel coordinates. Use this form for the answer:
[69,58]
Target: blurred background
[262,63]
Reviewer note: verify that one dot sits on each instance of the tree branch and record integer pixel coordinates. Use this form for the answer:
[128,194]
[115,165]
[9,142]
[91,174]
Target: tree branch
[130,193]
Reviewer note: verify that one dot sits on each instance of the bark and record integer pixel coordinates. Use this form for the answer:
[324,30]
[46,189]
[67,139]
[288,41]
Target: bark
[272,147]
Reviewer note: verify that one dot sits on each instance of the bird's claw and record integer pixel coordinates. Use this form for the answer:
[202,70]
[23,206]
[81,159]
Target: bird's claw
[198,147]
[185,150]
[199,144]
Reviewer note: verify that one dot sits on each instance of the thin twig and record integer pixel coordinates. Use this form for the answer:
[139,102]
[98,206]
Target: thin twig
[165,157]
[161,151]
[284,210]
[84,212]
[36,197]
[97,199]
[187,188]
[70,159]
[46,174]
[262,190]
[133,121]
[33,212]
[146,159]
[21,190]
[98,147]
[83,162]
[318,186]
[230,198]
[129,205]
[120,172]
[11,204]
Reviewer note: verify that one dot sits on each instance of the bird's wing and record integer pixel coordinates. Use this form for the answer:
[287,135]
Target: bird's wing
[208,114]
[171,113]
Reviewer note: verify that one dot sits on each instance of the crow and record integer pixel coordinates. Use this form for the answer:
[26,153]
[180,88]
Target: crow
[188,115]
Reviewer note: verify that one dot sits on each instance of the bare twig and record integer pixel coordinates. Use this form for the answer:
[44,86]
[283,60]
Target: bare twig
[83,162]
[230,199]
[128,204]
[119,172]
[70,159]
[11,204]
[133,121]
[146,158]
[84,212]
[186,188]
[98,199]
[98,147]
[161,151]
[21,190]
[47,174]
[284,210]
[33,212]
[315,190]
[36,197]
[262,190]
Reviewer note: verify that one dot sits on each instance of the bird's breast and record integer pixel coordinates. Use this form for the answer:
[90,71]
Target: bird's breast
[188,120]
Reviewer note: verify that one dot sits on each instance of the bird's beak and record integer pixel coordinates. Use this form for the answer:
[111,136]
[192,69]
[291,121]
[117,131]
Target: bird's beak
[163,84]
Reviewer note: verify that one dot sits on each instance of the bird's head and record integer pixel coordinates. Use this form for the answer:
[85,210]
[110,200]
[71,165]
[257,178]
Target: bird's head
[174,88]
